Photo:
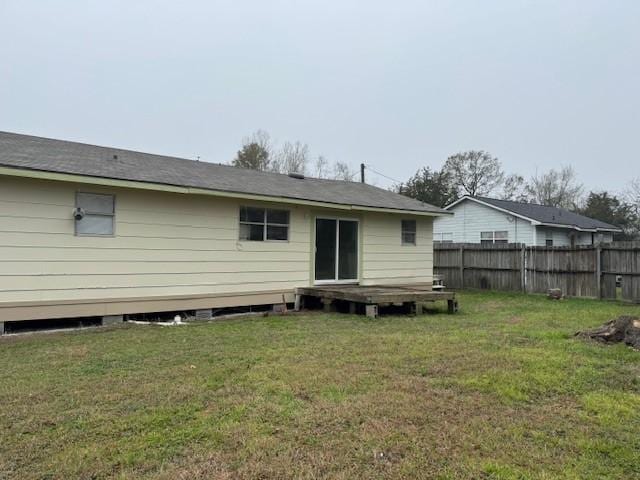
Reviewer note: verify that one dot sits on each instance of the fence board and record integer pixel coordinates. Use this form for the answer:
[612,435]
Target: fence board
[623,260]
[585,271]
[573,270]
[446,263]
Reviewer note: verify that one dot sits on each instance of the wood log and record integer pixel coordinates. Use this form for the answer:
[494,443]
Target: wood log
[623,329]
[555,294]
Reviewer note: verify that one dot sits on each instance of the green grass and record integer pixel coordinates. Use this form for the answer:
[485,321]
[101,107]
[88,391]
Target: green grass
[500,391]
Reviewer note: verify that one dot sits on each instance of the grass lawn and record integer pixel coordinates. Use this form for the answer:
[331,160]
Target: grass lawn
[501,390]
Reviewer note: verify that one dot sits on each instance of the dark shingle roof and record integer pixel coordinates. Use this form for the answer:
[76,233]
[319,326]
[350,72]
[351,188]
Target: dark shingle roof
[36,153]
[549,215]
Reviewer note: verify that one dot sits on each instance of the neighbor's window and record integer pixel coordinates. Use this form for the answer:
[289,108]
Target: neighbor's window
[99,214]
[408,232]
[500,237]
[443,237]
[549,239]
[494,237]
[260,224]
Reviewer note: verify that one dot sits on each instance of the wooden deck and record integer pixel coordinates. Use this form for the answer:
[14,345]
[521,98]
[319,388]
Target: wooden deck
[374,296]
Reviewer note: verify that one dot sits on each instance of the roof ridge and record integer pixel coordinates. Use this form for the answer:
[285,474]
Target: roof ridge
[140,152]
[519,203]
[550,208]
[23,151]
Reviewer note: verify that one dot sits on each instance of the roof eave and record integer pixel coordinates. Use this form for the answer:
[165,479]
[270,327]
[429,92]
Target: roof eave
[533,221]
[104,181]
[580,229]
[486,204]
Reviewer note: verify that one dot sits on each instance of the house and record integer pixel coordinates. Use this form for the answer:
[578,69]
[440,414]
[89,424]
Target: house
[97,231]
[488,220]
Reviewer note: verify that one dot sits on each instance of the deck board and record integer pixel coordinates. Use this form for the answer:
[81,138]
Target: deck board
[378,294]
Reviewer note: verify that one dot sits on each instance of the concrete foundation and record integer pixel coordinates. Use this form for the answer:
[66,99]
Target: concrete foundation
[299,303]
[371,311]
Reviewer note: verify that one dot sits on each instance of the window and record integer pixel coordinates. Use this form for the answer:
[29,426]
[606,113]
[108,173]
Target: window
[408,232]
[500,237]
[494,237]
[260,224]
[97,214]
[443,237]
[548,239]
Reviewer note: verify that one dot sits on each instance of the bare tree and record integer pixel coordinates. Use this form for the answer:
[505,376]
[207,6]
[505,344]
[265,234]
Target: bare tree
[255,153]
[342,171]
[474,173]
[632,195]
[262,138]
[514,188]
[322,167]
[557,188]
[292,157]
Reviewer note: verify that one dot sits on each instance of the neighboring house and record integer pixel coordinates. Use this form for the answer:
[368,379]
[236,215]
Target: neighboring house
[487,220]
[95,231]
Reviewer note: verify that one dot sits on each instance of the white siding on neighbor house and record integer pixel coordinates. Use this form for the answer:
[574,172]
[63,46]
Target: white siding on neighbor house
[471,218]
[560,236]
[174,244]
[386,260]
[607,238]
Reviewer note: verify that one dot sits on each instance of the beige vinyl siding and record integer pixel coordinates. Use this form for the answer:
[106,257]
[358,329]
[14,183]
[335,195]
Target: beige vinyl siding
[386,260]
[171,251]
[164,244]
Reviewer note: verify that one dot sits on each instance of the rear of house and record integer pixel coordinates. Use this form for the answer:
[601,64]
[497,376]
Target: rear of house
[96,231]
[489,220]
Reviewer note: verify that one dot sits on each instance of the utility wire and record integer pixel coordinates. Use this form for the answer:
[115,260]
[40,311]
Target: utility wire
[370,168]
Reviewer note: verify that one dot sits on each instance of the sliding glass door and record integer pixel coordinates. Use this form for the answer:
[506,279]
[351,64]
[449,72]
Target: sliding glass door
[336,257]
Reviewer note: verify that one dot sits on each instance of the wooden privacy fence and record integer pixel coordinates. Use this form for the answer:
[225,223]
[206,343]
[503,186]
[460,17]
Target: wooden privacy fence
[585,271]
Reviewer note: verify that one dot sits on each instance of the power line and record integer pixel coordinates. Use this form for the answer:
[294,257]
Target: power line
[369,167]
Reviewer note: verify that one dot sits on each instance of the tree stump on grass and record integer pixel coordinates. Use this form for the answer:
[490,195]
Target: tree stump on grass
[555,294]
[623,329]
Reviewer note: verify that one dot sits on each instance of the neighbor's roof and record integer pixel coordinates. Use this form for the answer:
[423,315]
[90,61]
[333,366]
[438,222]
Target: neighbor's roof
[543,214]
[58,156]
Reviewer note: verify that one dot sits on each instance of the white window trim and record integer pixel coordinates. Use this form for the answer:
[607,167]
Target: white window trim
[264,224]
[439,237]
[402,232]
[350,281]
[493,238]
[548,236]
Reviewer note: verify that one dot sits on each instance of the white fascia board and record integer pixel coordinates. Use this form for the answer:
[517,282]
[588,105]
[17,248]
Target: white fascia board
[89,180]
[503,210]
[589,230]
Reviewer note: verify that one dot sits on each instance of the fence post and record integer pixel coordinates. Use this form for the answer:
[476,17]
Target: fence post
[523,267]
[599,271]
[461,266]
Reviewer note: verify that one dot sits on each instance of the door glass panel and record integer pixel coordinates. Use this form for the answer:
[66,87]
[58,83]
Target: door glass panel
[325,249]
[348,251]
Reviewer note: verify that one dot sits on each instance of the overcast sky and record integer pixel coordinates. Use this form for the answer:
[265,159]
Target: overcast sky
[395,84]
